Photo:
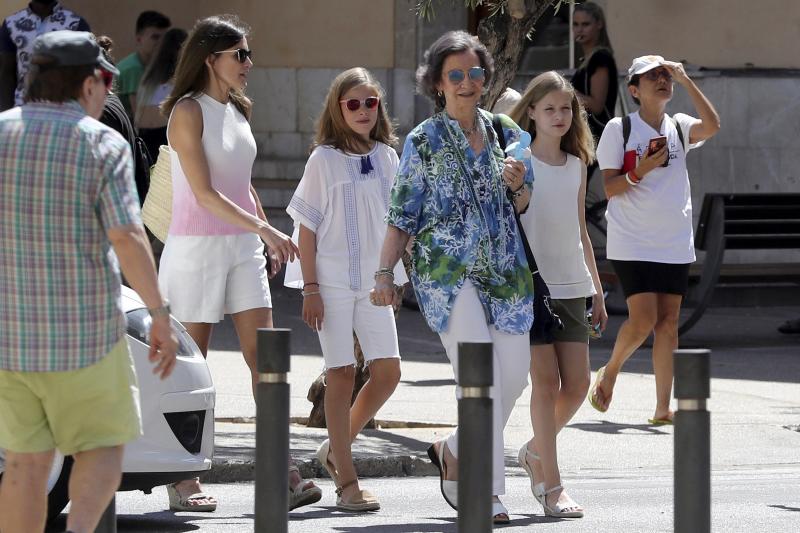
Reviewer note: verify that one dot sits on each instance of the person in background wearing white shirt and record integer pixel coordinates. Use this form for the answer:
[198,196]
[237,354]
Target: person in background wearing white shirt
[338,210]
[650,239]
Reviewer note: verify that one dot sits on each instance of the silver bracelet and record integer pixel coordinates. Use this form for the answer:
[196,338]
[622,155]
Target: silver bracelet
[309,293]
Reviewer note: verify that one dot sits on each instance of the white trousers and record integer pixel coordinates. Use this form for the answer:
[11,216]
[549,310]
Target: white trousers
[512,359]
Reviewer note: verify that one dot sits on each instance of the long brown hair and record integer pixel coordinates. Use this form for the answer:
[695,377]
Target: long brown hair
[603,41]
[332,130]
[578,140]
[209,35]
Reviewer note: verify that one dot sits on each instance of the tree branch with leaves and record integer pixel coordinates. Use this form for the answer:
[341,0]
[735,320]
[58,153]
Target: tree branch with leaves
[504,31]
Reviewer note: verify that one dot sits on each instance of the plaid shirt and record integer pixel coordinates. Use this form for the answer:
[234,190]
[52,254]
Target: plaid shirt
[65,179]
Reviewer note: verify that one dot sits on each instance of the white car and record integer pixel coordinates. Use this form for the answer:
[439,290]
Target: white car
[177,416]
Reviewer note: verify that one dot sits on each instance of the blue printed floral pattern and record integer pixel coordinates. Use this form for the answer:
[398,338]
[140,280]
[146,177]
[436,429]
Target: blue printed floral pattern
[455,204]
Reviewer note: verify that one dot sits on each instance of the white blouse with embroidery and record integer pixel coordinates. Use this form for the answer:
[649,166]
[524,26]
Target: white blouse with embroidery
[343,198]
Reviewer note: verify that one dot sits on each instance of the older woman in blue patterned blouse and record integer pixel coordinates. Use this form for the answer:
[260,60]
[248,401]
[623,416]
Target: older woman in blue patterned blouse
[455,192]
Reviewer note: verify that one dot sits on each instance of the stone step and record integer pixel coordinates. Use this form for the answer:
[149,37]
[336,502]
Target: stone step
[279,168]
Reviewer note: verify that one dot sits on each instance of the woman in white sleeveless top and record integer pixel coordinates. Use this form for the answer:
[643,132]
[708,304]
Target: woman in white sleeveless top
[213,260]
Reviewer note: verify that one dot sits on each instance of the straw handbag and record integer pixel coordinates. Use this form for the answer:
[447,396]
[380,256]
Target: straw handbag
[157,208]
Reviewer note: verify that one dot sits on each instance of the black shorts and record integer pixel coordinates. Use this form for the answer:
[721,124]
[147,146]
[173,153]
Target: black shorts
[646,276]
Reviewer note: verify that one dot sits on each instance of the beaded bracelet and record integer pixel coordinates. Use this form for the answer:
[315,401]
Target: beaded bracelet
[384,272]
[310,283]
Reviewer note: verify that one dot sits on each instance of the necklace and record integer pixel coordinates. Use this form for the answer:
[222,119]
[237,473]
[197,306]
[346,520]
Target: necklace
[474,129]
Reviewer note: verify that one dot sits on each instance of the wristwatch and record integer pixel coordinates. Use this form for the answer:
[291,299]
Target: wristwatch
[162,310]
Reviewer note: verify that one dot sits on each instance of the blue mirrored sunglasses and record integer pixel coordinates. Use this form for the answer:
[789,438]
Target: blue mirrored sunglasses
[456,75]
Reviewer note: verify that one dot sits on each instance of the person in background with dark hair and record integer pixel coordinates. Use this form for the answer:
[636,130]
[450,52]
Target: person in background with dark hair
[114,116]
[67,379]
[150,27]
[213,261]
[154,88]
[456,193]
[16,43]
[650,239]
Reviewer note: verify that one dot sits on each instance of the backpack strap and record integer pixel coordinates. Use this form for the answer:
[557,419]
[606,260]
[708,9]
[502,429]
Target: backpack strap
[680,132]
[626,131]
[498,131]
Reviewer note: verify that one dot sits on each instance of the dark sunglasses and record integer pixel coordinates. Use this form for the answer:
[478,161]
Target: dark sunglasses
[242,55]
[456,76]
[354,104]
[656,73]
[107,77]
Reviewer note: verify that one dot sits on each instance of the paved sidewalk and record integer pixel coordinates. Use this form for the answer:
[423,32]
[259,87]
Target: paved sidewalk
[755,405]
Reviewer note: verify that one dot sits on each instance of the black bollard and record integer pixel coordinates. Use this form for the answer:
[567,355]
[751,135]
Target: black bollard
[108,521]
[692,442]
[475,377]
[272,432]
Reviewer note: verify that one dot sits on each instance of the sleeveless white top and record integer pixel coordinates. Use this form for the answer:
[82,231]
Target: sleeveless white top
[552,226]
[230,151]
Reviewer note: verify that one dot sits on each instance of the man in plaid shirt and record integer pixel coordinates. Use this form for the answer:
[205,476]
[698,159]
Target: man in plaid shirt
[67,380]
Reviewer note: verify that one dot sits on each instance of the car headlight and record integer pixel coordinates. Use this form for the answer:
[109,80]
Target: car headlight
[139,323]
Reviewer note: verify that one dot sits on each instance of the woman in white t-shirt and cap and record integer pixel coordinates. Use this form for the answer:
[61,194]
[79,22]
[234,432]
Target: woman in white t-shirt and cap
[650,239]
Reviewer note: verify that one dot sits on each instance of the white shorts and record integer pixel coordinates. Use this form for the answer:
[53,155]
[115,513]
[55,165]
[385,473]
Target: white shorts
[346,310]
[205,277]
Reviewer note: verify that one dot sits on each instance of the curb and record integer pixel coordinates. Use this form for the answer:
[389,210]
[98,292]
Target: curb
[381,466]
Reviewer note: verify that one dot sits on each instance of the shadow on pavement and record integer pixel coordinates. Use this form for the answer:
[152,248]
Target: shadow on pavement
[613,428]
[149,522]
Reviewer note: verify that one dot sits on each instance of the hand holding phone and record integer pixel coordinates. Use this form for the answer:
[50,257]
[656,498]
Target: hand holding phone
[656,144]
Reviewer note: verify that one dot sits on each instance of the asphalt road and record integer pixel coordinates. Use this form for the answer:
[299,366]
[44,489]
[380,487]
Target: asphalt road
[752,500]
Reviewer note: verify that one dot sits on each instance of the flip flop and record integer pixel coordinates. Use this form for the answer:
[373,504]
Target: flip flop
[592,396]
[659,421]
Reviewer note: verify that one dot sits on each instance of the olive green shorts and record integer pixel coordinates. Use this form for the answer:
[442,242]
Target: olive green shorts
[74,411]
[572,312]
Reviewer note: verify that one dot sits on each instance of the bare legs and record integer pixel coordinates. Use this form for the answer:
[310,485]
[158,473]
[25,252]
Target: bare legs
[647,312]
[94,479]
[560,377]
[23,492]
[345,422]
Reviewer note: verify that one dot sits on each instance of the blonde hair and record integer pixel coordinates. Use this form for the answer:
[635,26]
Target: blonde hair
[332,130]
[578,140]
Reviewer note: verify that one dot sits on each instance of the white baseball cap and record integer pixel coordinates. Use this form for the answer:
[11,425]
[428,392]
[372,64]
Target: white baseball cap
[642,64]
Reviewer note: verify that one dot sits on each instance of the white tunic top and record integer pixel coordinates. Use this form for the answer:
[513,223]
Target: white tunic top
[345,207]
[552,227]
[653,220]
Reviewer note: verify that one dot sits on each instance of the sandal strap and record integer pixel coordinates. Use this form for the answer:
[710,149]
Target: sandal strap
[553,489]
[340,489]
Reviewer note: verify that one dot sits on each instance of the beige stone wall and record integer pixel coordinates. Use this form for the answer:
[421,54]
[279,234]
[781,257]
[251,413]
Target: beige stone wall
[709,33]
[285,33]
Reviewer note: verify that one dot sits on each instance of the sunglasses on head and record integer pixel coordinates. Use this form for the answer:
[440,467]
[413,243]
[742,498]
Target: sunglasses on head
[107,77]
[354,104]
[242,55]
[456,75]
[656,73]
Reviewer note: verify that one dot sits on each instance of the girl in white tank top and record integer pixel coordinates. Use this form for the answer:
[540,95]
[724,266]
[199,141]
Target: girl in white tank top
[556,230]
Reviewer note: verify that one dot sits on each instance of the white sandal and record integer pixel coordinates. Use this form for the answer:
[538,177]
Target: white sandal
[558,510]
[302,494]
[536,488]
[448,487]
[500,513]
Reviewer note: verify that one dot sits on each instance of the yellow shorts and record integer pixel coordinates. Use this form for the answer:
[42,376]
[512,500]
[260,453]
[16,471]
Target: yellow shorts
[74,411]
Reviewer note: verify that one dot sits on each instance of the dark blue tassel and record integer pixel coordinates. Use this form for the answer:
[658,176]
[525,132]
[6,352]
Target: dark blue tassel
[366,165]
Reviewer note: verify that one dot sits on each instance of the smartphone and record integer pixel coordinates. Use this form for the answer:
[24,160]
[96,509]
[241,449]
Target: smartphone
[656,144]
